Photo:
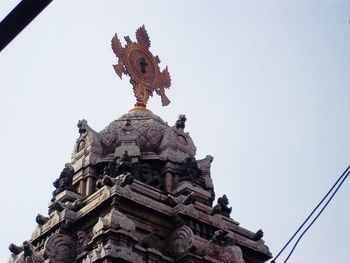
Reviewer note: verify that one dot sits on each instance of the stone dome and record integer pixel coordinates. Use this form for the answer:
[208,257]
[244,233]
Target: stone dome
[142,127]
[146,133]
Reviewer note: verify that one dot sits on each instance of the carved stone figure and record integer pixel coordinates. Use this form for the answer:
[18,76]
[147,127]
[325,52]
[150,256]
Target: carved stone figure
[41,220]
[117,172]
[258,235]
[222,207]
[122,180]
[64,182]
[81,142]
[180,123]
[108,171]
[83,241]
[220,237]
[25,254]
[190,171]
[204,166]
[15,249]
[150,176]
[183,199]
[124,163]
[73,206]
[82,238]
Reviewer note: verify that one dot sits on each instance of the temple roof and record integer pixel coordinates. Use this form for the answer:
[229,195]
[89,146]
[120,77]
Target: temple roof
[135,192]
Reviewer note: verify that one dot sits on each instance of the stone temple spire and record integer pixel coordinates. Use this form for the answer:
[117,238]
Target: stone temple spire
[135,192]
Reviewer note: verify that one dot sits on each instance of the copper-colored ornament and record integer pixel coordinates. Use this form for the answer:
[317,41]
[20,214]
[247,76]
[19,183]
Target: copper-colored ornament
[136,60]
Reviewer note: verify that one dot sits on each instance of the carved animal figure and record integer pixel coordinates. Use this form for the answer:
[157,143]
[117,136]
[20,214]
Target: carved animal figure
[64,182]
[25,254]
[222,207]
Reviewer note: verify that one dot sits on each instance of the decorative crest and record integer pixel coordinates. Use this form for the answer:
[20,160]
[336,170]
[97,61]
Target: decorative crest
[137,61]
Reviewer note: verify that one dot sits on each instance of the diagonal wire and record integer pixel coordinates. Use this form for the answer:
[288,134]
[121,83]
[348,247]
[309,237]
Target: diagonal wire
[323,208]
[310,215]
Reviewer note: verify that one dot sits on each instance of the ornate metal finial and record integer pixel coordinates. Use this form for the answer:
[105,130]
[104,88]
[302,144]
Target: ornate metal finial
[137,61]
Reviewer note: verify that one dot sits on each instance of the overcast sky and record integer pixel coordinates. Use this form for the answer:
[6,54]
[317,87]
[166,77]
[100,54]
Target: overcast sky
[265,86]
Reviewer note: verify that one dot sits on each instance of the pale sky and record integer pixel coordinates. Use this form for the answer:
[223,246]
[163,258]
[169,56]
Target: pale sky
[265,86]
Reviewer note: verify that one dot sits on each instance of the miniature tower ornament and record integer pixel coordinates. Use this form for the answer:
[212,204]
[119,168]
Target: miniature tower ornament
[136,60]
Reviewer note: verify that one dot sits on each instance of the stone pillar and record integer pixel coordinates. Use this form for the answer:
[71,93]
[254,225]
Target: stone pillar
[90,185]
[168,173]
[82,187]
[168,182]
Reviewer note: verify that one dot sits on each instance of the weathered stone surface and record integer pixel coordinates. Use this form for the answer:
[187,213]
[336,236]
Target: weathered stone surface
[113,220]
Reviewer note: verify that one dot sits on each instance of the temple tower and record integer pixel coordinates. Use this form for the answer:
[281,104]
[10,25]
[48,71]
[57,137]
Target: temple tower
[135,192]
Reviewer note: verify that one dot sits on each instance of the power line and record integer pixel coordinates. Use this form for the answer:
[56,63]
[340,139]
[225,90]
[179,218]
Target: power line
[19,18]
[323,208]
[346,172]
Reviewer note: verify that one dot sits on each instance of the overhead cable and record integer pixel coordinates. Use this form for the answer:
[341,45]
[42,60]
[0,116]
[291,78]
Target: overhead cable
[345,173]
[323,208]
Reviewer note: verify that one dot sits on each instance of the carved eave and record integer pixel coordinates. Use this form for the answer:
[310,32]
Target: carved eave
[125,209]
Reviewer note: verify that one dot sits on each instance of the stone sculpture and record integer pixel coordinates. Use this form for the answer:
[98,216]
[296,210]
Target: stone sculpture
[222,207]
[150,176]
[122,180]
[25,254]
[182,199]
[81,142]
[180,123]
[41,220]
[83,241]
[117,172]
[60,206]
[204,166]
[190,171]
[64,182]
[258,235]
